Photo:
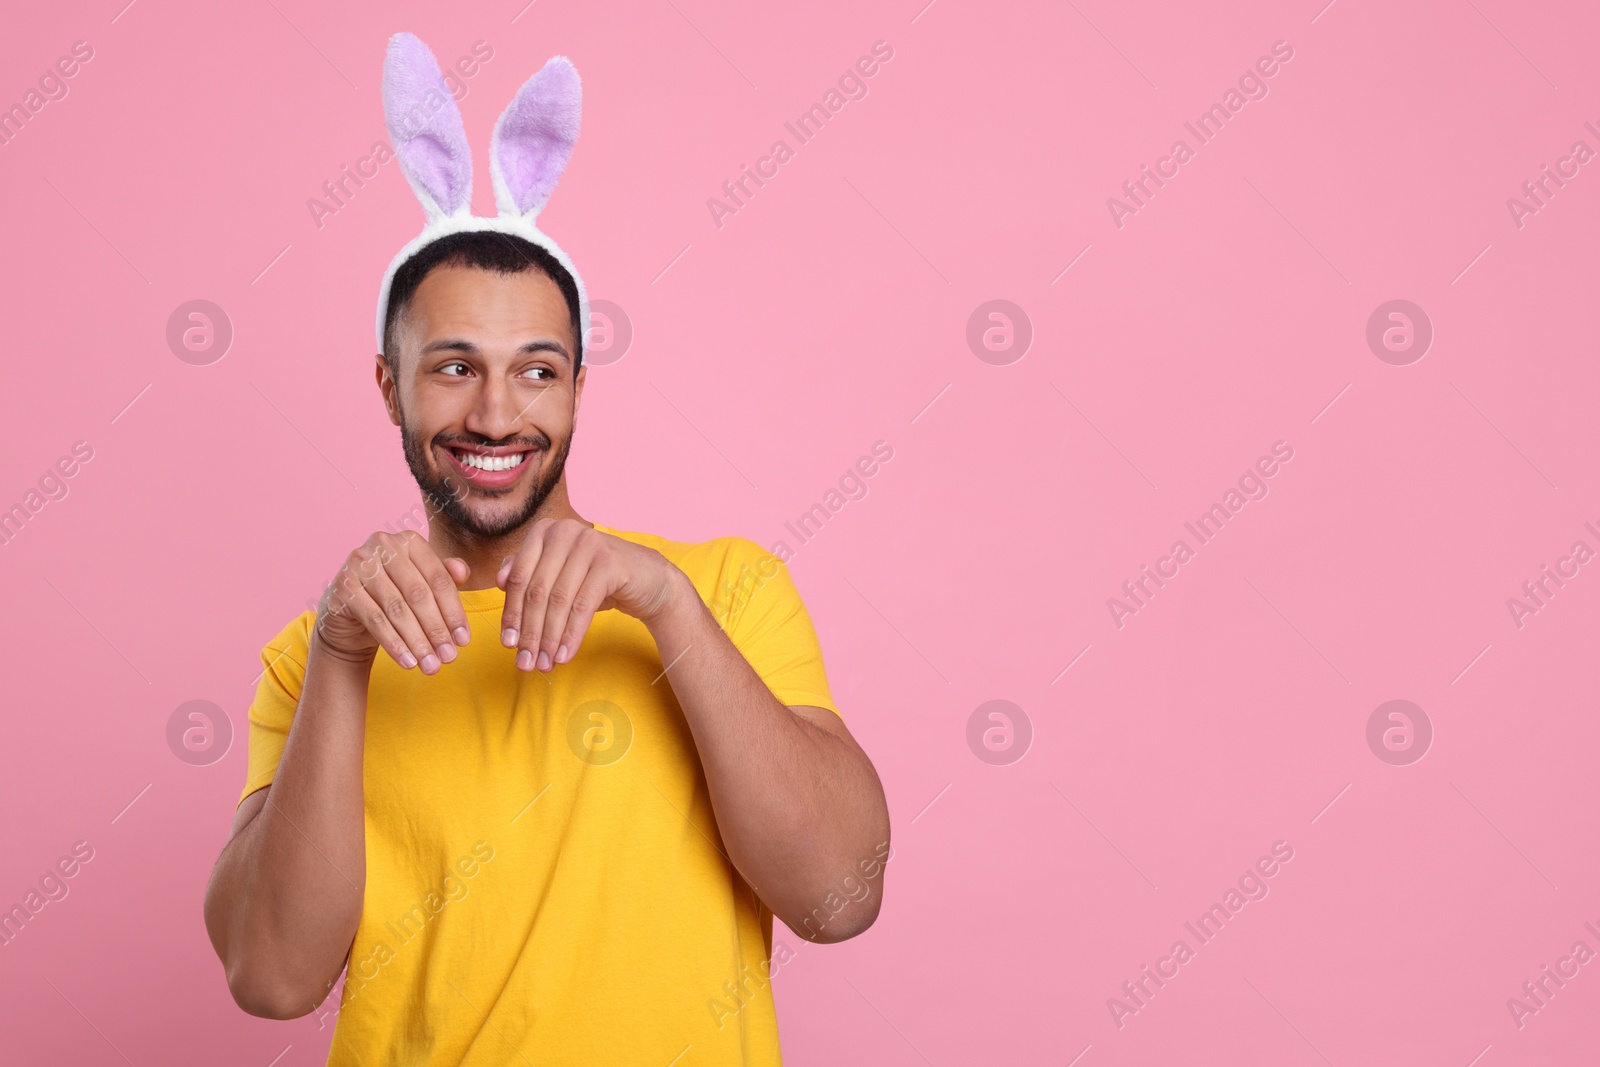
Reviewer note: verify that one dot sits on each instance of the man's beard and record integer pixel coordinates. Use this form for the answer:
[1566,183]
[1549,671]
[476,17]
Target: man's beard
[444,495]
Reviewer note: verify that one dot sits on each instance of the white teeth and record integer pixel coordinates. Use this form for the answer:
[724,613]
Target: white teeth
[491,463]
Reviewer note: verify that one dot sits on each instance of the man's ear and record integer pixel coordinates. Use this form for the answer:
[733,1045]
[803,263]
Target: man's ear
[577,391]
[387,386]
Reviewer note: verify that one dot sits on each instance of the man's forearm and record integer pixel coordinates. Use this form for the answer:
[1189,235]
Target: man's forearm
[285,898]
[800,809]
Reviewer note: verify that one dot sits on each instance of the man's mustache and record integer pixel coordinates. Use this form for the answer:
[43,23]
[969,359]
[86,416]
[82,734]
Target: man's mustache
[538,444]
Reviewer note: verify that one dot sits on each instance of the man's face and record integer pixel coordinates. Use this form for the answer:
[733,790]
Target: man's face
[486,398]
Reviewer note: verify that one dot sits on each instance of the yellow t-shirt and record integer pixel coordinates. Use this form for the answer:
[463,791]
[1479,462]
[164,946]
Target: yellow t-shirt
[545,880]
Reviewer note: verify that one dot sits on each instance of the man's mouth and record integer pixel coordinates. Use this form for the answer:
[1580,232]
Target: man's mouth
[489,468]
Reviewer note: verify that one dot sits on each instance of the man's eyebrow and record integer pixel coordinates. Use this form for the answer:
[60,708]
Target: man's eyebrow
[459,344]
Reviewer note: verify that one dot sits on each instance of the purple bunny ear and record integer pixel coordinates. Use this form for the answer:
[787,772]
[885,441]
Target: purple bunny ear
[425,128]
[534,137]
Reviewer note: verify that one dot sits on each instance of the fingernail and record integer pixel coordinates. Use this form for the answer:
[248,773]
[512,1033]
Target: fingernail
[447,653]
[461,634]
[524,660]
[430,663]
[508,637]
[561,654]
[544,660]
[407,660]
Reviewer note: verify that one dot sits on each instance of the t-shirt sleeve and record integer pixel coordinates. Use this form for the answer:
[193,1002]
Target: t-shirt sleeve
[764,617]
[277,696]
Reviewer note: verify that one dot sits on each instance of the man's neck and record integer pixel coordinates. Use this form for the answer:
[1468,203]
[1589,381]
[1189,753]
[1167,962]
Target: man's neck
[484,555]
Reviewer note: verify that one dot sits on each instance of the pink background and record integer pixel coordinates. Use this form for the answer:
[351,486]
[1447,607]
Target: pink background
[1229,313]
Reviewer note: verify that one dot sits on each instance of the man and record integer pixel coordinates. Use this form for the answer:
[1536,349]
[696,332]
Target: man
[539,784]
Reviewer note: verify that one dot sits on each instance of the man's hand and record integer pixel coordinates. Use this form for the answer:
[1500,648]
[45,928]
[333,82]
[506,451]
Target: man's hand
[566,571]
[396,593]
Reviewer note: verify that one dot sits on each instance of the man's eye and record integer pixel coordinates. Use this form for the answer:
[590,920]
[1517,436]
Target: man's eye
[447,368]
[541,370]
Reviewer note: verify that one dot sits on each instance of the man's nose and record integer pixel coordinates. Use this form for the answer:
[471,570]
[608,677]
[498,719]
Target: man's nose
[496,411]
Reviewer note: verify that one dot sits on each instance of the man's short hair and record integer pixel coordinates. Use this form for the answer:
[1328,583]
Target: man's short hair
[503,253]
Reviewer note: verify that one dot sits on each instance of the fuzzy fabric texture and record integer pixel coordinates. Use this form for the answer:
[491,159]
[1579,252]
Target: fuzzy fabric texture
[425,128]
[534,137]
[529,150]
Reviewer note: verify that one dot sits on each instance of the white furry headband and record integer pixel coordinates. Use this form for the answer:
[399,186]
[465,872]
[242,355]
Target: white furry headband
[527,154]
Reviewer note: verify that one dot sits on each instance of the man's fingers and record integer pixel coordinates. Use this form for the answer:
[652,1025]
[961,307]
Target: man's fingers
[459,571]
[536,598]
[560,603]
[393,604]
[422,596]
[351,597]
[515,582]
[591,594]
[395,593]
[446,600]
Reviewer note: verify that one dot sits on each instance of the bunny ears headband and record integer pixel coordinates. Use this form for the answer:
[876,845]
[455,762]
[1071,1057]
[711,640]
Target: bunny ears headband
[528,153]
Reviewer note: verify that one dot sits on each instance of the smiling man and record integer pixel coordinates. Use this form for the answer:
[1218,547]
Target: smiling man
[537,785]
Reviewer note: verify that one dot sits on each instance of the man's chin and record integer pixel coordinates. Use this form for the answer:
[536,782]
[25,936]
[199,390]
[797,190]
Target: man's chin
[485,519]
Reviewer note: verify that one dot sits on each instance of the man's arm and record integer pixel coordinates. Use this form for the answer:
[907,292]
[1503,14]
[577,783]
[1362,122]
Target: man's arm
[797,801]
[285,897]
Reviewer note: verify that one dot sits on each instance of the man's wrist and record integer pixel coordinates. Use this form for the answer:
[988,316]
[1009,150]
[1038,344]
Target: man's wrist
[343,661]
[680,604]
